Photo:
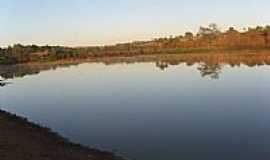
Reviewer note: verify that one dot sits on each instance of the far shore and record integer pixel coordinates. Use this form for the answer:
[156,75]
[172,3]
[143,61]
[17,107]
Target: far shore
[209,39]
[204,61]
[151,57]
[23,140]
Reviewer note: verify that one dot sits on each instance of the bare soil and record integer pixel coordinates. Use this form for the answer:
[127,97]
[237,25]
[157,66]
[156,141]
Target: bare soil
[22,140]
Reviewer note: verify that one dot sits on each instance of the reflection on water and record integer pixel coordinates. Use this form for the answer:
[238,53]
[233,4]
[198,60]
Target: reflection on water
[211,70]
[3,84]
[210,65]
[13,71]
[155,108]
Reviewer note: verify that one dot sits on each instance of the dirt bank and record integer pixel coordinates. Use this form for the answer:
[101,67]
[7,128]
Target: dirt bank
[22,140]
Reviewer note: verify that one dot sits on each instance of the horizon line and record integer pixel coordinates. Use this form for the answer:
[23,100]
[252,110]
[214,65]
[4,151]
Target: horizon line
[240,29]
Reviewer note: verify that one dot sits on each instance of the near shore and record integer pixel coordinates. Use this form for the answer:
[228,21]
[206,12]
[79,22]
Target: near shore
[23,140]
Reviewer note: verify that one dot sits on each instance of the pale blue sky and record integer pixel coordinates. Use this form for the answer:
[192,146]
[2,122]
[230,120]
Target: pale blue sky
[98,22]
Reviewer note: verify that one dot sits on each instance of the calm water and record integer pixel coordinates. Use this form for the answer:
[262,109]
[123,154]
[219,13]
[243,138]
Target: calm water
[147,113]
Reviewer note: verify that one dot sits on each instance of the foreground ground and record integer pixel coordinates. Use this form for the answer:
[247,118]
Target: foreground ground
[22,140]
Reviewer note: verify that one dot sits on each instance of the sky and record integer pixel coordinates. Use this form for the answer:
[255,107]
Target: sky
[100,22]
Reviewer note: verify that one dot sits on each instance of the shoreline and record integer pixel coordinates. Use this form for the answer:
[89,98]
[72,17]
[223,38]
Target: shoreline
[21,139]
[162,61]
[243,52]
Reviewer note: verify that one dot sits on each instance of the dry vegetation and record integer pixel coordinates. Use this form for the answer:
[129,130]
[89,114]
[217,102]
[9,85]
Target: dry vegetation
[209,39]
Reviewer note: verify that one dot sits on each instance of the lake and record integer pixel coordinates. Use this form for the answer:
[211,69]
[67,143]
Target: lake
[168,108]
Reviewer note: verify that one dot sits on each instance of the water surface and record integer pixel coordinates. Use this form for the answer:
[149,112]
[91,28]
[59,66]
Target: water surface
[150,110]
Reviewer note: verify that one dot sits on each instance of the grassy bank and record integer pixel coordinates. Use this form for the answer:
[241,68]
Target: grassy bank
[23,140]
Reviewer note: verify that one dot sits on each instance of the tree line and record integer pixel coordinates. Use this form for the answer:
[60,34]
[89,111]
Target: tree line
[209,38]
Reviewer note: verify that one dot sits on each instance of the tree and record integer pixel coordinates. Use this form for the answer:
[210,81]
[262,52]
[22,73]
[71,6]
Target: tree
[211,30]
[189,35]
[232,30]
[209,34]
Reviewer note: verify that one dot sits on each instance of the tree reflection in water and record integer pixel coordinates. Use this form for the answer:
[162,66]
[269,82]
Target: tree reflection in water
[162,65]
[212,70]
[207,70]
[3,83]
[209,65]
